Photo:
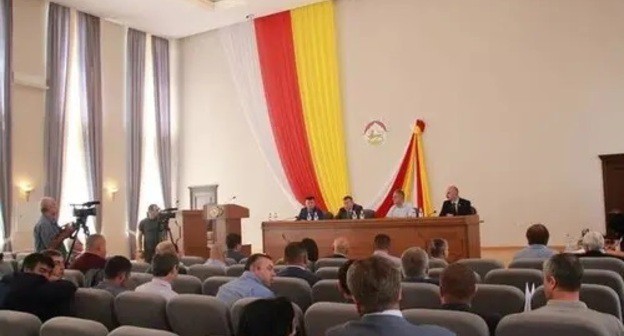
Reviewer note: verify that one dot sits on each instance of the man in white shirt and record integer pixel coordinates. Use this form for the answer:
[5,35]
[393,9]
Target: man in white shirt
[165,270]
[382,248]
[399,209]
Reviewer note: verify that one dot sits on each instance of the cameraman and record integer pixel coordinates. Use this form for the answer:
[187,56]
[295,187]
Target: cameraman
[149,234]
[48,234]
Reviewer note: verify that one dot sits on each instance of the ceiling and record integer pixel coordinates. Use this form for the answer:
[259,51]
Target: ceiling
[180,18]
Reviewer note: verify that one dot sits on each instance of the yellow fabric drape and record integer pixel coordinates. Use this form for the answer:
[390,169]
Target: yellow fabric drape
[424,179]
[314,36]
[408,183]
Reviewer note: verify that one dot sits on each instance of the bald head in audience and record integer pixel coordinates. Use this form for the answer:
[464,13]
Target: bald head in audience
[341,247]
[96,244]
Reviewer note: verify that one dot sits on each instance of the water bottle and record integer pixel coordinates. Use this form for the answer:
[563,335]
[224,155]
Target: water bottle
[270,217]
[421,213]
[275,216]
[316,217]
[570,246]
[413,213]
[362,214]
[354,215]
[309,216]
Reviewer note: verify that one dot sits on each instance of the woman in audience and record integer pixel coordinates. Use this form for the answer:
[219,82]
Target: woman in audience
[217,258]
[268,317]
[438,249]
[312,248]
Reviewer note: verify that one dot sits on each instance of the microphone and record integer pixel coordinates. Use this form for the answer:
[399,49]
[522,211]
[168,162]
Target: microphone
[231,199]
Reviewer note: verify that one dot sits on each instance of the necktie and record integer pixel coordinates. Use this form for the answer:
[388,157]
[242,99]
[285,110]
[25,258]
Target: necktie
[456,207]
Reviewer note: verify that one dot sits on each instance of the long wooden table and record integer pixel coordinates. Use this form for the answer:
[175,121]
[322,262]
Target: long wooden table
[462,234]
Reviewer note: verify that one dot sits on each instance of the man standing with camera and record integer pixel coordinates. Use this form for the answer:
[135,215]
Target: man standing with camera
[47,233]
[149,234]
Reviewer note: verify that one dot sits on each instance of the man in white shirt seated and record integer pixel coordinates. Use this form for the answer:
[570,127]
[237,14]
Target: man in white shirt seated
[382,248]
[165,270]
[399,209]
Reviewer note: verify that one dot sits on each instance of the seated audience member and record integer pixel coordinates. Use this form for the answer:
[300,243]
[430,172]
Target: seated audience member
[312,248]
[94,257]
[382,247]
[165,270]
[296,259]
[438,249]
[376,287]
[31,291]
[415,264]
[59,264]
[310,211]
[116,274]
[454,205]
[268,317]
[537,237]
[399,209]
[458,286]
[350,210]
[343,288]
[341,248]
[167,247]
[594,246]
[562,285]
[216,257]
[233,241]
[254,282]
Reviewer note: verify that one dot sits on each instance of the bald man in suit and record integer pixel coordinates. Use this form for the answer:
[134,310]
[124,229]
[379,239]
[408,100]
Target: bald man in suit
[454,205]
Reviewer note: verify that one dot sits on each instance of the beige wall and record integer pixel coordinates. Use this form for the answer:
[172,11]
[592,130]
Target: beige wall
[520,98]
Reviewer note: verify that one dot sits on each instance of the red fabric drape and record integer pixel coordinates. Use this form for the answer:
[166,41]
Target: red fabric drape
[279,76]
[383,209]
[417,180]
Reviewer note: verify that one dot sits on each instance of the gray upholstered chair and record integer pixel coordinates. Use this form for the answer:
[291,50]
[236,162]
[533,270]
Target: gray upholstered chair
[191,314]
[243,261]
[21,255]
[604,263]
[597,297]
[516,277]
[420,295]
[327,291]
[549,324]
[298,291]
[498,299]
[482,266]
[529,263]
[235,270]
[322,316]
[437,263]
[136,331]
[330,262]
[74,276]
[434,273]
[139,266]
[186,284]
[211,285]
[6,267]
[279,268]
[137,279]
[95,305]
[230,261]
[459,322]
[71,326]
[192,260]
[144,310]
[203,272]
[327,273]
[605,278]
[14,323]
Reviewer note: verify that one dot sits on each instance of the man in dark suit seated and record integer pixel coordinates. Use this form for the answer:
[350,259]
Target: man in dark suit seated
[375,284]
[458,286]
[415,265]
[454,205]
[310,211]
[233,241]
[350,210]
[296,259]
[341,248]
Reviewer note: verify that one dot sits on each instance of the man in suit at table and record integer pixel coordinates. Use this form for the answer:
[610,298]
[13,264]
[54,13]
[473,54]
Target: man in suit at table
[310,211]
[350,210]
[454,205]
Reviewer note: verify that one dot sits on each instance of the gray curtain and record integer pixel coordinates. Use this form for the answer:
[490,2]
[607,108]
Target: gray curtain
[6,178]
[160,52]
[91,89]
[135,82]
[57,73]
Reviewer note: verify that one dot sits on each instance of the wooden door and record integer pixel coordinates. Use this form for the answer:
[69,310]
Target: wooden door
[613,182]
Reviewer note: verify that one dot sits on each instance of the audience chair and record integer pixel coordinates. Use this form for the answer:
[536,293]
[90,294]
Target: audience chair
[549,324]
[529,263]
[71,326]
[482,266]
[369,213]
[605,278]
[137,279]
[192,260]
[191,315]
[279,268]
[437,263]
[330,262]
[136,331]
[235,270]
[211,285]
[243,261]
[203,272]
[516,277]
[327,291]
[14,323]
[230,261]
[498,299]
[139,266]
[597,297]
[434,273]
[144,310]
[322,316]
[327,273]
[6,267]
[21,255]
[420,295]
[459,322]
[604,263]
[186,284]
[74,276]
[95,305]
[298,291]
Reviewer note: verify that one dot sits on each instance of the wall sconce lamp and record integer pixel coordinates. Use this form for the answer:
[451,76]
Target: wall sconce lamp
[112,190]
[26,188]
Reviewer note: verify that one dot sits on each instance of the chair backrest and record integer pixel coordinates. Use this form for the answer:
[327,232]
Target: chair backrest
[322,316]
[139,266]
[327,273]
[420,295]
[145,310]
[93,277]
[434,273]
[95,305]
[21,255]
[243,261]
[71,326]
[237,309]
[548,324]
[230,261]
[235,270]
[298,291]
[529,263]
[137,331]
[604,263]
[437,263]
[211,285]
[461,323]
[482,266]
[203,272]
[186,284]
[14,323]
[330,262]
[6,267]
[516,277]
[192,260]
[137,279]
[279,268]
[327,291]
[369,213]
[74,276]
[605,278]
[209,315]
[498,299]
[596,297]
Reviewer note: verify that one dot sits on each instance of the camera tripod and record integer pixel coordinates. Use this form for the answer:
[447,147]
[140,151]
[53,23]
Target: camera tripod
[80,224]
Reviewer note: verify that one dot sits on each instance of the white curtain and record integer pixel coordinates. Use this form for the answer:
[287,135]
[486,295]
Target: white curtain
[239,43]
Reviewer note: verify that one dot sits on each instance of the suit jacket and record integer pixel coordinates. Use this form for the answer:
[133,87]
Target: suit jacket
[422,280]
[490,319]
[385,325]
[297,272]
[344,214]
[464,208]
[303,214]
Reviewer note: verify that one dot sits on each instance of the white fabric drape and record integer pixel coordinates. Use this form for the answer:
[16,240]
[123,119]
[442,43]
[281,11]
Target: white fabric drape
[239,43]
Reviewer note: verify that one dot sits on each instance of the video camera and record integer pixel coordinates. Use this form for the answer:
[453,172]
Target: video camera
[164,216]
[85,210]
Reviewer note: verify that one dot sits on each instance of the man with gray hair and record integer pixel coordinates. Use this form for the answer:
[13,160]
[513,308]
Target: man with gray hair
[47,233]
[415,265]
[375,284]
[593,243]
